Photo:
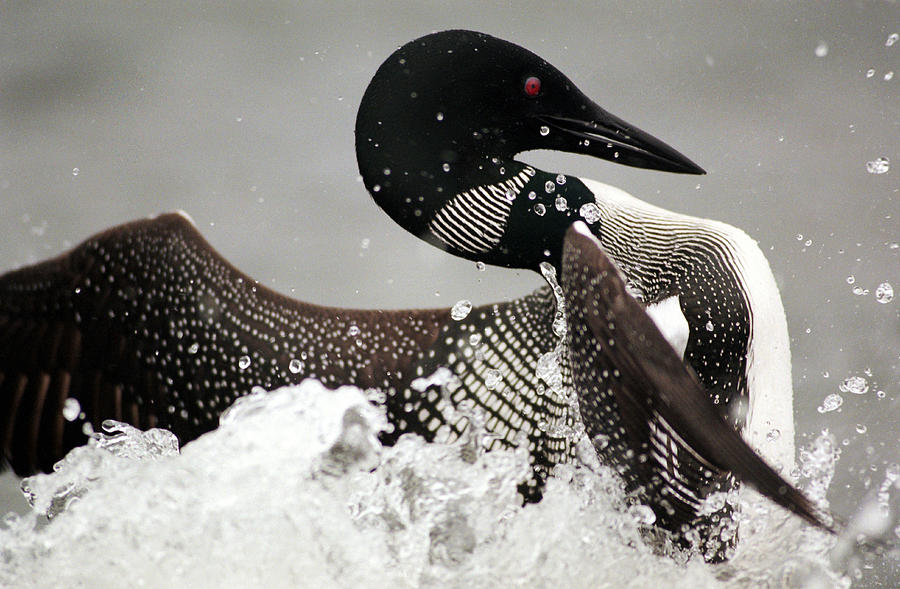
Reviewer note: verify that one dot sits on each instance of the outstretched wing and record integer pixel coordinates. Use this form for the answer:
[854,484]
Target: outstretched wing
[636,393]
[146,323]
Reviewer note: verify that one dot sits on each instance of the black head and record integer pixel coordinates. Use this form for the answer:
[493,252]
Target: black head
[448,112]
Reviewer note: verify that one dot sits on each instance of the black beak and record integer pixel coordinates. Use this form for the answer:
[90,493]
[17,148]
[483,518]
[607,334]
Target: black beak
[609,137]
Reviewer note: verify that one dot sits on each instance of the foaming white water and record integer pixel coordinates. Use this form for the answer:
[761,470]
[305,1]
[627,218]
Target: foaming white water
[293,490]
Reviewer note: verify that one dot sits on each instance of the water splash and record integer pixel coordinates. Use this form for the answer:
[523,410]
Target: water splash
[296,491]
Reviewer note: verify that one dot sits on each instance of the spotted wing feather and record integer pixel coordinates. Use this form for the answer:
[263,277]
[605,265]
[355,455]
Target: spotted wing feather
[147,324]
[682,446]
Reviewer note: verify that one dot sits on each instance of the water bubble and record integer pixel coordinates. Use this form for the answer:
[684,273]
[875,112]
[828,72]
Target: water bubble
[851,279]
[532,195]
[884,293]
[854,384]
[870,72]
[439,116]
[861,428]
[510,195]
[461,309]
[387,171]
[545,130]
[878,166]
[892,38]
[830,403]
[881,394]
[474,339]
[590,212]
[774,435]
[561,203]
[550,186]
[353,330]
[888,76]
[446,167]
[860,291]
[244,362]
[71,409]
[822,49]
[75,171]
[492,379]
[710,326]
[561,179]
[364,244]
[295,366]
[193,348]
[479,266]
[540,209]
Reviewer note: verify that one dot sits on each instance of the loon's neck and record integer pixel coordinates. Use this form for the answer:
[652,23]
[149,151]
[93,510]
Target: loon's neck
[491,209]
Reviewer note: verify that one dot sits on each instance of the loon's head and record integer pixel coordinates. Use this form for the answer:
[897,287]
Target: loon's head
[440,125]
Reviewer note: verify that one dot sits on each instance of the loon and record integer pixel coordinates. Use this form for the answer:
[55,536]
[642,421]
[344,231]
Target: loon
[661,338]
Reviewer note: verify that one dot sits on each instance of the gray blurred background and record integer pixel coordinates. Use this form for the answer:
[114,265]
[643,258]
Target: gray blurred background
[242,114]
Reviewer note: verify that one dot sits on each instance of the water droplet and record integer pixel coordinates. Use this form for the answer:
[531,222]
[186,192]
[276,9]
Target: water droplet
[540,209]
[884,293]
[861,428]
[461,309]
[532,195]
[295,366]
[854,384]
[600,441]
[244,362]
[773,436]
[590,212]
[376,188]
[860,291]
[878,166]
[71,409]
[559,325]
[446,167]
[560,203]
[194,348]
[387,171]
[353,330]
[364,244]
[492,379]
[892,38]
[822,49]
[710,326]
[545,130]
[830,403]
[561,179]
[479,266]
[510,195]
[870,72]
[851,279]
[474,339]
[881,394]
[75,171]
[888,76]
[439,116]
[799,237]
[550,186]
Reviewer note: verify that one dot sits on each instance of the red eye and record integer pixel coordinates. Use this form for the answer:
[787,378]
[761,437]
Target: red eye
[532,86]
